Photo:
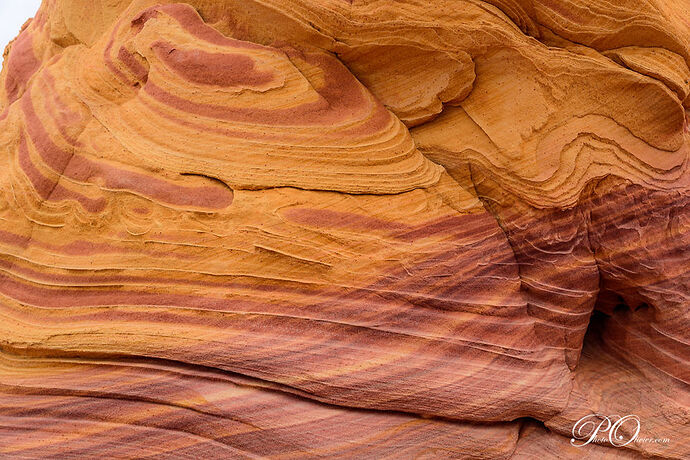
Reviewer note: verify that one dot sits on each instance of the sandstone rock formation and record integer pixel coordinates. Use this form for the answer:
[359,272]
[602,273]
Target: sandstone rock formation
[348,229]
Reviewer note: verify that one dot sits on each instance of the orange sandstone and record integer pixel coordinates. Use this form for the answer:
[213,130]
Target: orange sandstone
[350,229]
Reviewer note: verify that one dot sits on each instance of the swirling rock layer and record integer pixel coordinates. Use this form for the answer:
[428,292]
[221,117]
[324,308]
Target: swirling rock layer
[369,229]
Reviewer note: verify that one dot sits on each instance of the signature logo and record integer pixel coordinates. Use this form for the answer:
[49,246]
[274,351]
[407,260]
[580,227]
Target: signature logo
[619,431]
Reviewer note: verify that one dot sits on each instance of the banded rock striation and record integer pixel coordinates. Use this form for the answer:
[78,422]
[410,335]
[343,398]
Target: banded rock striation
[350,229]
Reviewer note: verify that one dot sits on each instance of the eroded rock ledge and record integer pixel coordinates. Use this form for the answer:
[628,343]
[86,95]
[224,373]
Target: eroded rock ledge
[350,229]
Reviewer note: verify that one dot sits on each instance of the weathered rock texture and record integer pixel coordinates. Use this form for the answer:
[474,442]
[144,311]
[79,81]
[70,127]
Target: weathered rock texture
[351,229]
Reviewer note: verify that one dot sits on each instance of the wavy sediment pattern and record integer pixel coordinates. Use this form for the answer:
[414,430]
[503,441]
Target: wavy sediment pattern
[239,229]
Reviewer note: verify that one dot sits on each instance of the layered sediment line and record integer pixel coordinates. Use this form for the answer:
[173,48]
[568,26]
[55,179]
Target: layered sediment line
[295,229]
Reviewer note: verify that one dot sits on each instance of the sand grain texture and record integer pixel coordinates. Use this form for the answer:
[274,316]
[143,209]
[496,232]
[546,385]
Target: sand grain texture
[344,229]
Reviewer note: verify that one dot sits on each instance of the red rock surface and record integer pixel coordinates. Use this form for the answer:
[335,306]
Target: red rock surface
[350,229]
